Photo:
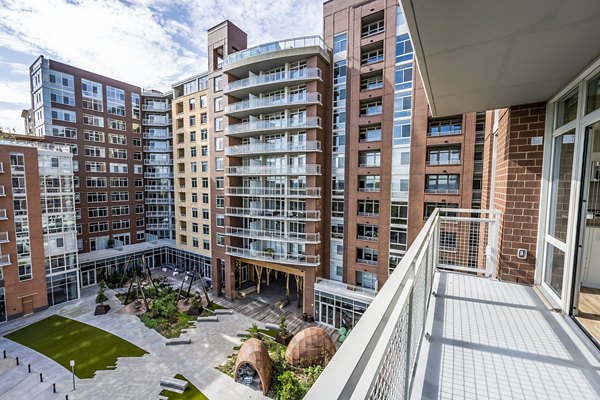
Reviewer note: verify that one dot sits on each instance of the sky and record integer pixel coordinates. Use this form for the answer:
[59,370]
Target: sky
[148,43]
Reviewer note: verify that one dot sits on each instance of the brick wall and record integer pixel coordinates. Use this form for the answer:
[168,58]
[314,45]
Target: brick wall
[518,188]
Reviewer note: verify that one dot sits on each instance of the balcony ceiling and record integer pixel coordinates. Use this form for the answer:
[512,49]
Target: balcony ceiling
[481,54]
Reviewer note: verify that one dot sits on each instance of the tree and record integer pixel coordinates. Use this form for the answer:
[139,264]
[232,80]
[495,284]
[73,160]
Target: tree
[289,387]
[283,326]
[165,306]
[101,297]
[253,332]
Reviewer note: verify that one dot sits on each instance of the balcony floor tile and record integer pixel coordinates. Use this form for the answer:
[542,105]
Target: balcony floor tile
[497,340]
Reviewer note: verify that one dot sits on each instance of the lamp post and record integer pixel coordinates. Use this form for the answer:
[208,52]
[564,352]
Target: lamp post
[72,363]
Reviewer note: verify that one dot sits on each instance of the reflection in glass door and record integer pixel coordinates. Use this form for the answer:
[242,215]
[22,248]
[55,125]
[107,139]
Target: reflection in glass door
[563,151]
[586,299]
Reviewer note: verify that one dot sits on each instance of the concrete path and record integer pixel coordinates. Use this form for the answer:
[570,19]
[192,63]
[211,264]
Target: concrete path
[134,377]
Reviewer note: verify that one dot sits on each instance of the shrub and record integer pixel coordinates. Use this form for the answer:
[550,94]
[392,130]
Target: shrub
[101,297]
[289,387]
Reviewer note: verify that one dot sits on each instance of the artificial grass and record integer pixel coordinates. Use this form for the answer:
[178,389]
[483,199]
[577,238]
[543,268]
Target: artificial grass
[191,393]
[63,339]
[215,306]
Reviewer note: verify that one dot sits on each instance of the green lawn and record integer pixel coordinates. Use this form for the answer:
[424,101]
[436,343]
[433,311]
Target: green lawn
[63,339]
[191,393]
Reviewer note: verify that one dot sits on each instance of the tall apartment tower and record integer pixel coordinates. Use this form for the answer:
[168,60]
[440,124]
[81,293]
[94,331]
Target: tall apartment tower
[446,161]
[372,82]
[158,166]
[100,120]
[38,237]
[191,167]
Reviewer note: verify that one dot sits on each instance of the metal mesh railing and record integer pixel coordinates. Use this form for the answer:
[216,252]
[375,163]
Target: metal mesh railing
[379,358]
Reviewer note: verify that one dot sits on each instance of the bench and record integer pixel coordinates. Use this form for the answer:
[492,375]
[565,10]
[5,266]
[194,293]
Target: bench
[208,319]
[242,334]
[247,291]
[282,304]
[179,340]
[272,326]
[221,311]
[174,383]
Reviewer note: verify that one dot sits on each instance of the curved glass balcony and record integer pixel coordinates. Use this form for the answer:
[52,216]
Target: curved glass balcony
[249,212]
[282,258]
[310,169]
[272,81]
[269,192]
[294,237]
[258,126]
[282,147]
[271,104]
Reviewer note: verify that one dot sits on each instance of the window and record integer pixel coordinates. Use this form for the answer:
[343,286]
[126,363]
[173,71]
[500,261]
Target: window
[218,124]
[115,101]
[372,56]
[205,213]
[402,105]
[430,207]
[401,132]
[97,212]
[442,184]
[219,182]
[443,156]
[340,43]
[369,183]
[369,159]
[94,151]
[119,168]
[192,120]
[220,239]
[203,101]
[114,138]
[403,77]
[120,224]
[366,256]
[367,232]
[63,115]
[135,106]
[93,120]
[119,196]
[218,83]
[404,50]
[218,144]
[219,164]
[117,124]
[372,28]
[220,220]
[220,201]
[203,134]
[117,153]
[366,280]
[192,104]
[444,127]
[218,104]
[63,132]
[370,133]
[447,241]
[371,83]
[368,208]
[371,108]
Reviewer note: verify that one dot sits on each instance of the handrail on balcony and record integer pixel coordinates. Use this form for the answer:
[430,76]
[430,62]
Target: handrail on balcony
[283,76]
[271,47]
[262,102]
[379,357]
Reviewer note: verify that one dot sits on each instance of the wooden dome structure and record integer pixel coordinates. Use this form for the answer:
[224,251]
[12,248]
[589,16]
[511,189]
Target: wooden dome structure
[253,365]
[309,347]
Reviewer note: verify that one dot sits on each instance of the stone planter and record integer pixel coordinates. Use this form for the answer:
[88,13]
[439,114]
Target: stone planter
[284,340]
[101,309]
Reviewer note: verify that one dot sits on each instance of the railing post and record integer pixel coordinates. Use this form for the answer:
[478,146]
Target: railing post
[492,256]
[408,345]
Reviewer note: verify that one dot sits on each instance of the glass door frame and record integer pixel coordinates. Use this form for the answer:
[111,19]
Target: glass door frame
[565,301]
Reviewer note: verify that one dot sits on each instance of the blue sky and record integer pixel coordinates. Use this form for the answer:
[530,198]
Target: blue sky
[150,43]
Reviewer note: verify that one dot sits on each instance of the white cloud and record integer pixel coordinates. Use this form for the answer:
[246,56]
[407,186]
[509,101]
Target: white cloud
[15,91]
[150,43]
[10,118]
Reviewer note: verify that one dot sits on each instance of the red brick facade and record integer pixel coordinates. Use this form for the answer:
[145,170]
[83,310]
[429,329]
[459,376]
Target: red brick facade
[518,188]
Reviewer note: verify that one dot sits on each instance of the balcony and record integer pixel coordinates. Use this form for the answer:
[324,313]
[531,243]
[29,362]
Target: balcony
[158,175]
[257,127]
[157,161]
[271,82]
[4,237]
[445,133]
[158,188]
[295,215]
[5,260]
[269,55]
[160,227]
[158,107]
[270,192]
[253,170]
[281,147]
[262,234]
[159,214]
[268,105]
[437,334]
[281,258]
[151,200]
[160,135]
[441,191]
[157,121]
[158,149]
[443,162]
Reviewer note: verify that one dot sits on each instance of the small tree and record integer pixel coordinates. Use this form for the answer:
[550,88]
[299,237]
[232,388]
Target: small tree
[253,332]
[195,302]
[165,306]
[283,326]
[289,387]
[101,297]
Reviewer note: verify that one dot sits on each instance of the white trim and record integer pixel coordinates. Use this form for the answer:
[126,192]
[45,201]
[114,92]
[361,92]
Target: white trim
[583,75]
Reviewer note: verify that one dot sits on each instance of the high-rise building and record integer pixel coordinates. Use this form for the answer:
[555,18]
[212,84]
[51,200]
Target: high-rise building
[158,167]
[100,120]
[191,168]
[38,238]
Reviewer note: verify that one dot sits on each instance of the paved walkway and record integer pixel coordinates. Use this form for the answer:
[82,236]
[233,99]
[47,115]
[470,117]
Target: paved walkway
[497,340]
[135,377]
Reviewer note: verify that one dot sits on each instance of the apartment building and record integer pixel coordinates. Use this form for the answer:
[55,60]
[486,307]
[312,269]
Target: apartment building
[158,167]
[100,120]
[38,237]
[191,168]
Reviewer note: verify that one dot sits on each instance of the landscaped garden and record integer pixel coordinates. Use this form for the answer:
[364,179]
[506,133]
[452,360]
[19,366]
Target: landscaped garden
[63,339]
[191,393]
[288,381]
